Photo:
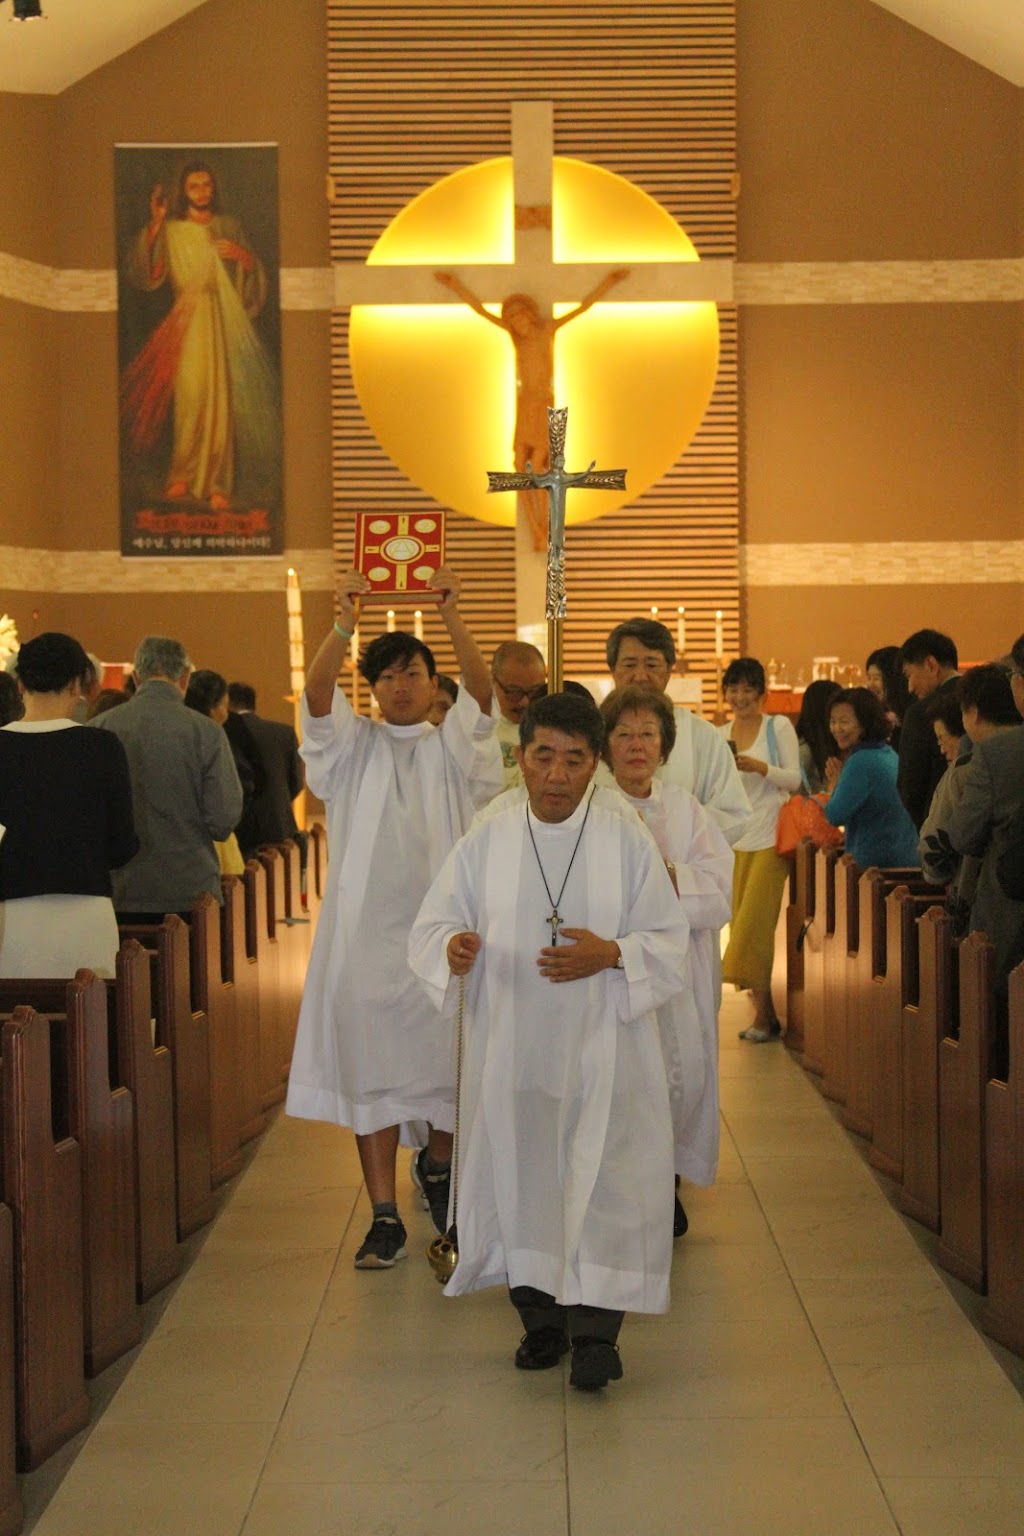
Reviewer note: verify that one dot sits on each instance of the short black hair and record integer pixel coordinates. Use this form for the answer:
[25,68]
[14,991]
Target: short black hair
[11,707]
[568,712]
[928,642]
[745,669]
[395,649]
[944,705]
[631,699]
[205,689]
[241,696]
[652,636]
[448,685]
[52,662]
[869,710]
[987,689]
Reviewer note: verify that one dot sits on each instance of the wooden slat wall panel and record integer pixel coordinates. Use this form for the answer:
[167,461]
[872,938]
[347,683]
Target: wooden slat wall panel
[419,90]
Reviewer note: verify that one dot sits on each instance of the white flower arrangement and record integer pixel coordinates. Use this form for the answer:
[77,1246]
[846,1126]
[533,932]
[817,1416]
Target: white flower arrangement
[9,642]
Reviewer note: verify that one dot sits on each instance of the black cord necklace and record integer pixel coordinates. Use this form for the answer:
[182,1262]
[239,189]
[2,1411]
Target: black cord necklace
[555,920]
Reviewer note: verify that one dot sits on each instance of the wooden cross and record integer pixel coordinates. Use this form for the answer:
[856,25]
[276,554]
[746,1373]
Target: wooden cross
[556,480]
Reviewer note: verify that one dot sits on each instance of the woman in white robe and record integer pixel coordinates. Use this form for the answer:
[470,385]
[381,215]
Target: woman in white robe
[640,731]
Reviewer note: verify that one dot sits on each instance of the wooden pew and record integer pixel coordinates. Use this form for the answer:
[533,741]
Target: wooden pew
[144,1067]
[798,915]
[211,996]
[11,1512]
[241,972]
[840,965]
[964,1069]
[1003,1314]
[924,1026]
[263,949]
[183,1031]
[298,938]
[894,987]
[280,943]
[100,1118]
[41,1181]
[819,933]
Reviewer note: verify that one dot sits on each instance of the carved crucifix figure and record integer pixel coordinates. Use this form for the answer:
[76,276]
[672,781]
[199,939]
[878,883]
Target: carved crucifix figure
[556,481]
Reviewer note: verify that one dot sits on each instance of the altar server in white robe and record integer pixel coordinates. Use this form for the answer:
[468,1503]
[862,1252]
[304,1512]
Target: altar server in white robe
[561,916]
[370,1051]
[640,731]
[642,653]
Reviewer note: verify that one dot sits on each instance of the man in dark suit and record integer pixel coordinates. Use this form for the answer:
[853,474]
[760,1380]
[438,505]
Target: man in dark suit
[929,661]
[270,818]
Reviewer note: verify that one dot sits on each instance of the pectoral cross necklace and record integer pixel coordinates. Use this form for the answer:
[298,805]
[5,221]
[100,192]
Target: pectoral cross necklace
[555,921]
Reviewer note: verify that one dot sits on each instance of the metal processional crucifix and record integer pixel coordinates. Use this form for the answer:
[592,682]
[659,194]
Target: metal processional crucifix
[556,480]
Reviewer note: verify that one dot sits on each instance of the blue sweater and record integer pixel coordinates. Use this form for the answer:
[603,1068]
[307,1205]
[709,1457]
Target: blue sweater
[866,802]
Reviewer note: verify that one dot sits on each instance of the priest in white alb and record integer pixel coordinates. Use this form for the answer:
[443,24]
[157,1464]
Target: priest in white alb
[642,653]
[370,1051]
[558,911]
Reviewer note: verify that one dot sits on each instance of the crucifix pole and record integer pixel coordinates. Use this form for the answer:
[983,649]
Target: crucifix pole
[556,480]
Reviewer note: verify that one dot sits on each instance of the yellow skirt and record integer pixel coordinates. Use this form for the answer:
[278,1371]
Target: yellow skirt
[758,883]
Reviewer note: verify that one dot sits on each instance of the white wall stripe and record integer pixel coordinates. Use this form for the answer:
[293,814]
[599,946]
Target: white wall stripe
[977,562]
[80,291]
[104,570]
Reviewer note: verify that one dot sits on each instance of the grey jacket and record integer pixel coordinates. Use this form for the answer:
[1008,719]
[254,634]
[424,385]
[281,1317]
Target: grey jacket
[186,795]
[982,824]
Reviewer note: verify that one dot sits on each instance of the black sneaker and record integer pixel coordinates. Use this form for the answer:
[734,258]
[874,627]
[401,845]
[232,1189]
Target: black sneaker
[680,1220]
[383,1245]
[434,1188]
[541,1348]
[595,1363]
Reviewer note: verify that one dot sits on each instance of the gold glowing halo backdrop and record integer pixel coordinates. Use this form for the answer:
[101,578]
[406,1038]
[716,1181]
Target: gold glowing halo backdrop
[437,383]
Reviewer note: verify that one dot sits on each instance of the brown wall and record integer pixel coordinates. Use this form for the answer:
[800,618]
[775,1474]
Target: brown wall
[861,139]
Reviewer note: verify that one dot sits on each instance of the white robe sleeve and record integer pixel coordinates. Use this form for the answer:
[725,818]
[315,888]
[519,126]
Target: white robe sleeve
[448,907]
[469,739]
[328,741]
[704,874]
[654,939]
[717,782]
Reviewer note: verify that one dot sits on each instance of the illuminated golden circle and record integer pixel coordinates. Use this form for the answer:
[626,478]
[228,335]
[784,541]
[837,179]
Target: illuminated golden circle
[379,525]
[437,382]
[380,573]
[423,572]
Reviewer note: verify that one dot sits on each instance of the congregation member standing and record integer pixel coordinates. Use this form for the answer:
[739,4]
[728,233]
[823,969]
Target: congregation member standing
[641,653]
[207,693]
[559,912]
[370,1052]
[185,789]
[270,817]
[991,804]
[520,675]
[864,800]
[65,822]
[640,731]
[768,755]
[929,661]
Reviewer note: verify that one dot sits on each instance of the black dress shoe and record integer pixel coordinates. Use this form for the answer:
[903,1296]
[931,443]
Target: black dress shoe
[541,1348]
[681,1222]
[595,1363]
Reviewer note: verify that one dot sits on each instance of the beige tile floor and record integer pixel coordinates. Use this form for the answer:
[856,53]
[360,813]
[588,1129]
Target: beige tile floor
[815,1376]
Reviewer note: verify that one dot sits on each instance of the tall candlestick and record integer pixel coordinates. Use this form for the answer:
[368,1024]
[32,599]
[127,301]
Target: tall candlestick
[719,635]
[391,621]
[681,629]
[296,639]
[417,624]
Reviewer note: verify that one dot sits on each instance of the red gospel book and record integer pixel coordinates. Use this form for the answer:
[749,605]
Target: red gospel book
[400,553]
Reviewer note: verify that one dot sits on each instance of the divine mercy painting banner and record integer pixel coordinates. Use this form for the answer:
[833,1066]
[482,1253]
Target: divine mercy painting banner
[199,350]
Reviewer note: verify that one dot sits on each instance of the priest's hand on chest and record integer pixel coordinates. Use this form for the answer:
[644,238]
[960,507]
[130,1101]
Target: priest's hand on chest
[463,949]
[584,955]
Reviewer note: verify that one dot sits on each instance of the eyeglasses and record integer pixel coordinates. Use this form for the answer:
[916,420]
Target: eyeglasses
[521,695]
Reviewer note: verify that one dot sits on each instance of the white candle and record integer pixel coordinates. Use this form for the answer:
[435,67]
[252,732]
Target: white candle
[391,621]
[654,613]
[296,639]
[417,624]
[681,630]
[719,635]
